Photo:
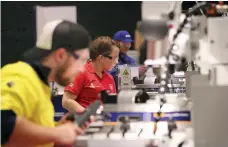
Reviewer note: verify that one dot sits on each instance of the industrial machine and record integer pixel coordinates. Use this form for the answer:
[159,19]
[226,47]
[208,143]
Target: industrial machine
[148,115]
[170,107]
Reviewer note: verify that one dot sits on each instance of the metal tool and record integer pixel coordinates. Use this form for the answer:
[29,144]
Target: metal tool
[81,118]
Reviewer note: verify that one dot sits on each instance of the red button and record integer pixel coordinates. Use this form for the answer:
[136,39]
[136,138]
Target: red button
[170,26]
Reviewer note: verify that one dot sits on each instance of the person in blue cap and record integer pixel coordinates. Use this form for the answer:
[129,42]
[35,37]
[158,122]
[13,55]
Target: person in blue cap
[124,39]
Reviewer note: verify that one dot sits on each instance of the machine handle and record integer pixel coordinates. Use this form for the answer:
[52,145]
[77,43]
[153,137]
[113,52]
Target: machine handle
[85,116]
[81,118]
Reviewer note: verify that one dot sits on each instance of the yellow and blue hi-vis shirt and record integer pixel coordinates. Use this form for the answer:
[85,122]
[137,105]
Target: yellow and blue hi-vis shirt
[25,92]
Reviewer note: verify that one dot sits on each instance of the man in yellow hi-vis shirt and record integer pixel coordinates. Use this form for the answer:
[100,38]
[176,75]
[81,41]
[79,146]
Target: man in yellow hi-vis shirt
[26,108]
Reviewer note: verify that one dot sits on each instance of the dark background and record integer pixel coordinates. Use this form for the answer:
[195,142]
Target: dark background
[100,18]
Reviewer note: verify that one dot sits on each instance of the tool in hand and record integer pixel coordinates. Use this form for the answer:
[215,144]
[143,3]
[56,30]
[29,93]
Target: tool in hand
[82,118]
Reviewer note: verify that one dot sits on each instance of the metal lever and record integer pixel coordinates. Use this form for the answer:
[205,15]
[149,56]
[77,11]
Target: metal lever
[81,118]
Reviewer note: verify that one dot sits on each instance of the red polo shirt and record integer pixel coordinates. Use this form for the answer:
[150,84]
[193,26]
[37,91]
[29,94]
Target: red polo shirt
[87,85]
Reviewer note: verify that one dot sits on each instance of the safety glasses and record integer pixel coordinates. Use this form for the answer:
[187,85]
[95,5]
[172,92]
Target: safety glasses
[107,56]
[111,58]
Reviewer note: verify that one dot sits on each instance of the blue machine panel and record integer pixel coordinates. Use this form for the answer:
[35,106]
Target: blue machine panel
[148,116]
[59,110]
[177,116]
[142,116]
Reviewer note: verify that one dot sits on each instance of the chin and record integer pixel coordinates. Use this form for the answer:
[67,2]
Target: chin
[64,82]
[108,69]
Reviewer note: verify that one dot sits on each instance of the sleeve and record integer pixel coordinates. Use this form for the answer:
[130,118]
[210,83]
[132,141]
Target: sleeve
[17,99]
[132,61]
[77,85]
[7,124]
[114,73]
[18,95]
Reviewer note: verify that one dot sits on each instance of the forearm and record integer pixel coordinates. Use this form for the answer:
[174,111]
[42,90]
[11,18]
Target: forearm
[72,106]
[28,134]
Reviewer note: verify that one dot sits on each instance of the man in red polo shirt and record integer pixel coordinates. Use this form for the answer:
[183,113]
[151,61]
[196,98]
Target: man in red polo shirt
[88,84]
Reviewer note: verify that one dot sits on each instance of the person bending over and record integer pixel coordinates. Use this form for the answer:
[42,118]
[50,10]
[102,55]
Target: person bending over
[27,113]
[88,84]
[123,38]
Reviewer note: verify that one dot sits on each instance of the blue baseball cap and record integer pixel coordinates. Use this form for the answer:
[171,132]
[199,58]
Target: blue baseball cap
[123,36]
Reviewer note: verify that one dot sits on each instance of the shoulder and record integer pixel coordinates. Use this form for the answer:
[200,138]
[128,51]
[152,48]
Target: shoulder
[81,77]
[20,81]
[131,59]
[13,71]
[20,86]
[15,68]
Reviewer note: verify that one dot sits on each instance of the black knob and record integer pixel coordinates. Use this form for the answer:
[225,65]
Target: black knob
[171,126]
[141,97]
[171,15]
[125,123]
[106,116]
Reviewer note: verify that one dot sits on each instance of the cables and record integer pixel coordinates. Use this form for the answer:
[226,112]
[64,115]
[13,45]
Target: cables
[188,14]
[201,11]
[165,72]
[171,54]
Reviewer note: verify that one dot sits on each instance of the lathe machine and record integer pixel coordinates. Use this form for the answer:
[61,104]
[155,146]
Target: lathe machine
[190,112]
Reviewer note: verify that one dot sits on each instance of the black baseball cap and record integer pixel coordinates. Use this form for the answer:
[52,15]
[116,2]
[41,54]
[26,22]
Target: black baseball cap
[59,34]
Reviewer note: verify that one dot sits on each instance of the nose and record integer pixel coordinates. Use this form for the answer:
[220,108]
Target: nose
[116,60]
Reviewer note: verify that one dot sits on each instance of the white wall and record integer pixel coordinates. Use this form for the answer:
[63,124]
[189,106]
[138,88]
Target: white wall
[45,14]
[154,9]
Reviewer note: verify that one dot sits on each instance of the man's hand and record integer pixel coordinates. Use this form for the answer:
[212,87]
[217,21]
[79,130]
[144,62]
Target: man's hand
[65,119]
[66,134]
[69,131]
[142,69]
